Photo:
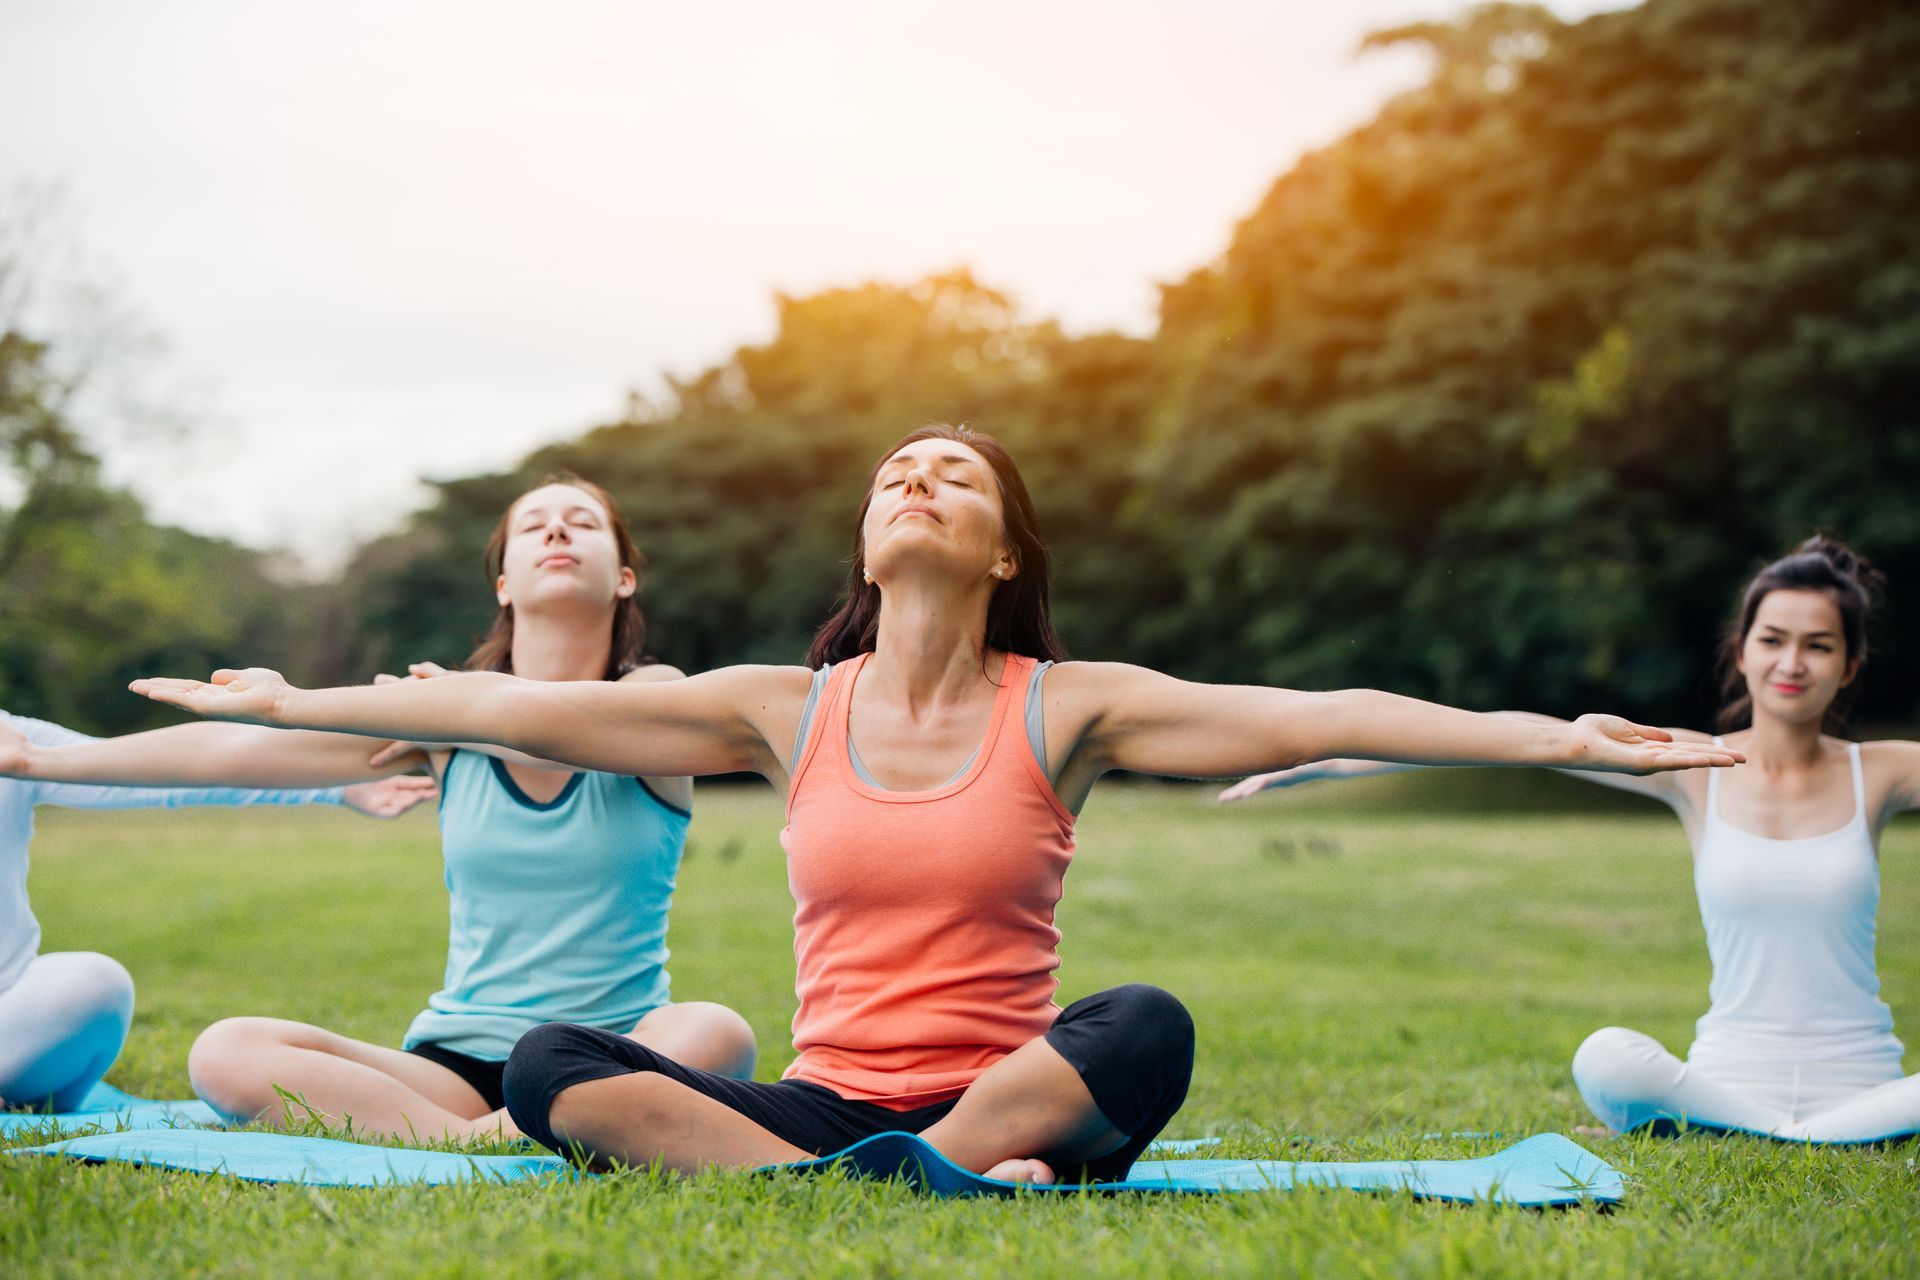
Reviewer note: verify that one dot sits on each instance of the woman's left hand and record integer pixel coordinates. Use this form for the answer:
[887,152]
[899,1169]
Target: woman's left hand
[1609,744]
[390,797]
[395,750]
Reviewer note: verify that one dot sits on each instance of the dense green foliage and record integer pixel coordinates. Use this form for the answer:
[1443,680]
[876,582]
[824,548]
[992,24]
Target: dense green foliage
[1496,399]
[1364,976]
[92,593]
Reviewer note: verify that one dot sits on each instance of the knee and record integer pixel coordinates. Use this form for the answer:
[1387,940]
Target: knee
[1133,1048]
[223,1066]
[99,988]
[1157,1023]
[1614,1062]
[726,1040]
[539,1058]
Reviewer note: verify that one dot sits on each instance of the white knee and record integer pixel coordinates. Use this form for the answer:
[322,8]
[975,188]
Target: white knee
[1622,1064]
[93,991]
[224,1068]
[1626,1078]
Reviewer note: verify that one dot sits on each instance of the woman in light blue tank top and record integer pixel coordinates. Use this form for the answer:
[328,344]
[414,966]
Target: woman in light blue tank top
[558,880]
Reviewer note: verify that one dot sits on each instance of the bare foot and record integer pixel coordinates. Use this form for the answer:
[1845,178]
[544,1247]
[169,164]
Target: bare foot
[1596,1132]
[495,1126]
[1034,1171]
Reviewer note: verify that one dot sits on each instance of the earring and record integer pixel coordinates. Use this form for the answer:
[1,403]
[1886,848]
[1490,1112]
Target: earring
[868,575]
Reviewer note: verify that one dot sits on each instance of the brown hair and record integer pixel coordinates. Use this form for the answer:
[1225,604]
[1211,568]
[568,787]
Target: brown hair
[1821,564]
[629,622]
[1019,618]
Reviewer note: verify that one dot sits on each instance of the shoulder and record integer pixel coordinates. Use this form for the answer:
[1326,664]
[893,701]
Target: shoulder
[1891,769]
[1097,676]
[1091,693]
[1893,758]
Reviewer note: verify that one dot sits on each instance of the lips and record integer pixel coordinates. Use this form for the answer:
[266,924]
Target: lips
[1789,688]
[556,559]
[904,512]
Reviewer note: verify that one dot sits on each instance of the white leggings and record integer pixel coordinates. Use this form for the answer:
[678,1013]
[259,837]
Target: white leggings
[61,1027]
[1628,1079]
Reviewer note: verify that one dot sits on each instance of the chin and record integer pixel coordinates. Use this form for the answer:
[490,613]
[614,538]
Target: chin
[1798,711]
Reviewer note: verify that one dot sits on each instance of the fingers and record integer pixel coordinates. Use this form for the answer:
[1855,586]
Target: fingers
[426,670]
[388,754]
[384,678]
[173,692]
[1650,733]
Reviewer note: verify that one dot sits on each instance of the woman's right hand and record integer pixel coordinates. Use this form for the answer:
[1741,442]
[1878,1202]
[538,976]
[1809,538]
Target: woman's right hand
[252,696]
[1261,781]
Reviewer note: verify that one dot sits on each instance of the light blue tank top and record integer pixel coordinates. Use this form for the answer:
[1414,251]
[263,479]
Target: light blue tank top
[559,910]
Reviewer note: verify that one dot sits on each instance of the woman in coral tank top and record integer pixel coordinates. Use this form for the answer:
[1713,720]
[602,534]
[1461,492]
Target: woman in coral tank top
[933,760]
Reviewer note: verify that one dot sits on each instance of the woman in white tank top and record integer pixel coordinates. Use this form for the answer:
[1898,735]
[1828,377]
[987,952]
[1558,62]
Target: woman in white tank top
[1797,1042]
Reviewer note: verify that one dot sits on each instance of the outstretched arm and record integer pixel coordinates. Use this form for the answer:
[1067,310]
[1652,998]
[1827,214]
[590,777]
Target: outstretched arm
[1151,723]
[1661,786]
[712,723]
[23,740]
[198,755]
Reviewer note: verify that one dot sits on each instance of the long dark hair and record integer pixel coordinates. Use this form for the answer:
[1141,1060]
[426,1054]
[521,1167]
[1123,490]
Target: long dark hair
[629,622]
[1019,619]
[1821,564]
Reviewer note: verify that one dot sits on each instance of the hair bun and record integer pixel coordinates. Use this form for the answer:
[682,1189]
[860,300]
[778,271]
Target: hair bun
[1845,561]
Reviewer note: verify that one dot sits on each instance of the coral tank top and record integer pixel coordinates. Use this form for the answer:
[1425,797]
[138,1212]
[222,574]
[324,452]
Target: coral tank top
[923,929]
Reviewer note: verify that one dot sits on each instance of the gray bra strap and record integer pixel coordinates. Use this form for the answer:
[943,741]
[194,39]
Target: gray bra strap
[1037,717]
[818,687]
[1036,727]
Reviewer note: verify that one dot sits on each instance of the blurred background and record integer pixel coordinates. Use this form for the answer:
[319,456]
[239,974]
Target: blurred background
[1477,353]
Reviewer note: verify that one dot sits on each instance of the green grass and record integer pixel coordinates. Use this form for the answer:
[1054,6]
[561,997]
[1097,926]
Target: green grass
[1366,964]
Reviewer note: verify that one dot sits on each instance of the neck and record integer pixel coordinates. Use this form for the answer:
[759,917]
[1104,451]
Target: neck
[1775,744]
[571,648]
[931,643]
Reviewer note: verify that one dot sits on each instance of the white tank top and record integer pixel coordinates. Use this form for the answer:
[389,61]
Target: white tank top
[1790,930]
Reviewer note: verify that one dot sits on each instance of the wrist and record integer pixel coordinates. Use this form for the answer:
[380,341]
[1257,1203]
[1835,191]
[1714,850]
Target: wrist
[1557,745]
[286,707]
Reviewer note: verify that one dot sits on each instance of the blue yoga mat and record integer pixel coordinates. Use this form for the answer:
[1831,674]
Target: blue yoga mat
[284,1157]
[105,1107]
[1543,1170]
[1665,1126]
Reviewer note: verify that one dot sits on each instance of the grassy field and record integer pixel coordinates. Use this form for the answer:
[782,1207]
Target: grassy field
[1366,965]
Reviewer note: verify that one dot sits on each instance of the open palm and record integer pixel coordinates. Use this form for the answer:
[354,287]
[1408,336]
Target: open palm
[1610,744]
[251,696]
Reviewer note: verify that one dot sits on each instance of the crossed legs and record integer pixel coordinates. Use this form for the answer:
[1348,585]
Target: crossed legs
[276,1072]
[1629,1079]
[1090,1093]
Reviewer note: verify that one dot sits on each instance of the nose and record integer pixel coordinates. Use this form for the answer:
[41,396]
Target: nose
[918,481]
[557,531]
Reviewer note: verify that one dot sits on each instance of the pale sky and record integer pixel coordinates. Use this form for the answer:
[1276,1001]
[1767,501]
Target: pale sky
[394,240]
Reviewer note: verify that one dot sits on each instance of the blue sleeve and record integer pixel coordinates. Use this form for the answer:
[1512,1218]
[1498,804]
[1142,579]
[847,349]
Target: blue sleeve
[81,795]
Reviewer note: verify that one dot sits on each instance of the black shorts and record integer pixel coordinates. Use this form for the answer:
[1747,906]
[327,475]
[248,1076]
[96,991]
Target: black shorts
[482,1075]
[1132,1045]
